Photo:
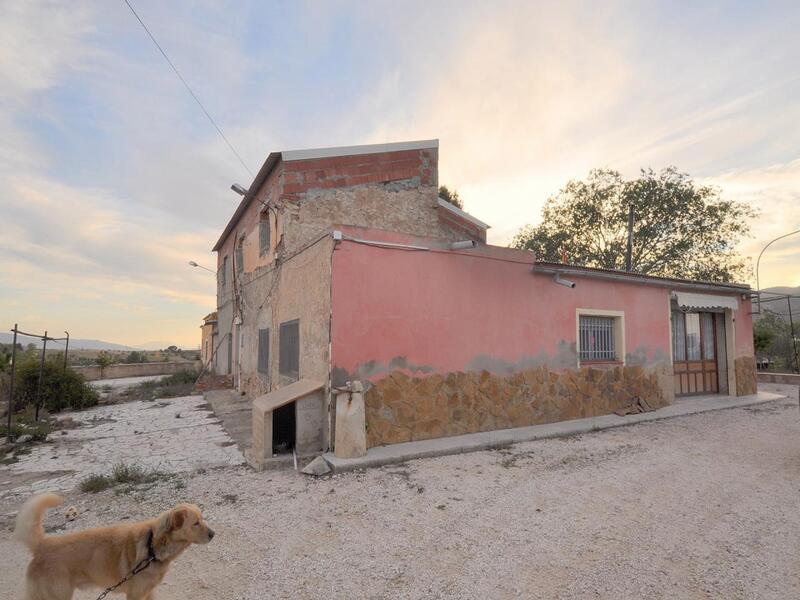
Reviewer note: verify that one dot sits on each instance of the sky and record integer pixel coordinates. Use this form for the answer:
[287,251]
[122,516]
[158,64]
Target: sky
[112,179]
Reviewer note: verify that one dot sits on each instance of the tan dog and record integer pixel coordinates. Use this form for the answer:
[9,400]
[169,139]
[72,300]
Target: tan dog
[103,556]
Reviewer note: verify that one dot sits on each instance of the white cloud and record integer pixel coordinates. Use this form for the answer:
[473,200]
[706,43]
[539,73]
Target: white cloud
[103,214]
[775,192]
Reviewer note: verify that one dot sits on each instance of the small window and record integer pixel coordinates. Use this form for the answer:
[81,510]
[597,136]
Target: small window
[223,270]
[289,350]
[239,258]
[263,235]
[597,338]
[263,351]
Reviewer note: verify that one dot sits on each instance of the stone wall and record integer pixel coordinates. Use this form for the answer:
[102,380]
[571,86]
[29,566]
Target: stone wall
[783,378]
[93,373]
[745,368]
[400,408]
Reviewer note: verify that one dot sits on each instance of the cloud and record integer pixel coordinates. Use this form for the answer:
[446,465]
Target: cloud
[775,191]
[111,178]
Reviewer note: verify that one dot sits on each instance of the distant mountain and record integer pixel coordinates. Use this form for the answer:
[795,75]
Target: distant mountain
[74,343]
[772,301]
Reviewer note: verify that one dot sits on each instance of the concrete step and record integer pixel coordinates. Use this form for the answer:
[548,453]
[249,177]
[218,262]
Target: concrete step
[235,412]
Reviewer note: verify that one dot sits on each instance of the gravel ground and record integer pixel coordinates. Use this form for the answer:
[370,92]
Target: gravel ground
[704,506]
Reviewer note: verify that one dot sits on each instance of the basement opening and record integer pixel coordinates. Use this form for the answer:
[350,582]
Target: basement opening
[284,426]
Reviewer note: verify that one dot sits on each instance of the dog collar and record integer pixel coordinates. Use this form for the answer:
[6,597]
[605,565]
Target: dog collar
[151,551]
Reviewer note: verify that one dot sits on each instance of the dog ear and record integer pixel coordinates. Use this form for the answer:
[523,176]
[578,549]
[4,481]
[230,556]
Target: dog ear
[176,519]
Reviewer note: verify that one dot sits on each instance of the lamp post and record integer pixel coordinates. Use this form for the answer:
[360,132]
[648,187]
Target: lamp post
[758,263]
[194,264]
[66,350]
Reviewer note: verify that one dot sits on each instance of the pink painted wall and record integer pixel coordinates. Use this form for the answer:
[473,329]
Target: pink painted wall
[470,310]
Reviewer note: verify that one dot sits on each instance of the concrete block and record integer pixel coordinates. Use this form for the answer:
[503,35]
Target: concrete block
[317,467]
[351,431]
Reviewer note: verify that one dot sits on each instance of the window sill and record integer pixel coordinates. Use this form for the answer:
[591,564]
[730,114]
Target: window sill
[600,363]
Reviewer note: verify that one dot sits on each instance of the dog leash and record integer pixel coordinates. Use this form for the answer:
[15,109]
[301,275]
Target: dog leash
[143,564]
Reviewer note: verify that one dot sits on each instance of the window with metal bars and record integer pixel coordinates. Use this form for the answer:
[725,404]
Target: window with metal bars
[597,338]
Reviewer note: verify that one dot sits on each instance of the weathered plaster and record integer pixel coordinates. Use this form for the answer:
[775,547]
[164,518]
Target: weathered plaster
[745,367]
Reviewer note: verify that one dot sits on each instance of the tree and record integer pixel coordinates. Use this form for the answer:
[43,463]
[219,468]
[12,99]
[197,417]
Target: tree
[103,360]
[681,229]
[135,357]
[451,196]
[772,338]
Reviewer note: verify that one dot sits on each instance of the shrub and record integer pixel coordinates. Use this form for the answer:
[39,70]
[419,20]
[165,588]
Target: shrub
[61,389]
[96,483]
[179,378]
[121,474]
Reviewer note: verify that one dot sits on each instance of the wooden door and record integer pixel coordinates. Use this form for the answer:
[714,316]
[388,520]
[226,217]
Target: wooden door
[694,353]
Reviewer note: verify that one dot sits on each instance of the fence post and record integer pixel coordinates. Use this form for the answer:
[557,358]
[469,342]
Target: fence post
[9,435]
[791,333]
[41,372]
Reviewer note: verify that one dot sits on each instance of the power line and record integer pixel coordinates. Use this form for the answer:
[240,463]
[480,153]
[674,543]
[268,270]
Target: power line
[189,89]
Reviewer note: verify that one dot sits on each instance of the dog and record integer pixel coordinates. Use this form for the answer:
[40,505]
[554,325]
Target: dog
[103,556]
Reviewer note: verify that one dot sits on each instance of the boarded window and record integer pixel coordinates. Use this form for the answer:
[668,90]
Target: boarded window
[289,350]
[263,351]
[597,338]
[239,258]
[263,235]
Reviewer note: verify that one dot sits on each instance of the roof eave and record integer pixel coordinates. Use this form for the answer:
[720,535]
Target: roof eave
[269,164]
[551,268]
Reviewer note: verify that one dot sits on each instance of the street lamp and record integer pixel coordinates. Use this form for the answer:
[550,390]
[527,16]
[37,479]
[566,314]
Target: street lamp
[239,189]
[758,263]
[194,264]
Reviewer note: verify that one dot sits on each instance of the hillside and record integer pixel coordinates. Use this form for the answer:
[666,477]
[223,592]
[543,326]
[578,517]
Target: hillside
[74,343]
[782,306]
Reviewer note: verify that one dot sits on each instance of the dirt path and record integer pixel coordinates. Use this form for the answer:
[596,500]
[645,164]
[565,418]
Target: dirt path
[704,506]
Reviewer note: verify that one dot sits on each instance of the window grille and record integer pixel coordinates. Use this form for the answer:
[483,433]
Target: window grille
[597,338]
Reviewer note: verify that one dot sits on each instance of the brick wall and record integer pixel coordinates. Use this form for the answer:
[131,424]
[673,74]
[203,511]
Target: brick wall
[302,176]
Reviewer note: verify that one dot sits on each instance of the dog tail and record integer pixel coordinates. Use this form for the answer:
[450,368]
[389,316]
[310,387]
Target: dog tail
[29,528]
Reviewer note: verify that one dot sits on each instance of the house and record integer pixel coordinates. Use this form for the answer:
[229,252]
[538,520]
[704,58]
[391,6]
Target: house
[342,264]
[208,337]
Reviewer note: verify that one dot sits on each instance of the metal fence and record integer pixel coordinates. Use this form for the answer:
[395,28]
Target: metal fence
[37,403]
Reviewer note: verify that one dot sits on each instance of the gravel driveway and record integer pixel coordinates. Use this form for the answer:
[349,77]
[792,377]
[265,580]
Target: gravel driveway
[704,506]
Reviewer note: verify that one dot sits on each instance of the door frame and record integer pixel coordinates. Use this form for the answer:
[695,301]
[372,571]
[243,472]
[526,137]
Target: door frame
[702,363]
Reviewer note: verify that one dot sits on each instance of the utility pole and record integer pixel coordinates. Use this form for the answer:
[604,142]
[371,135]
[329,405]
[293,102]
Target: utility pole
[629,249]
[66,350]
[9,434]
[791,333]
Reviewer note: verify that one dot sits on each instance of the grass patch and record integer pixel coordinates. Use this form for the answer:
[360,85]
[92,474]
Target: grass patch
[96,483]
[24,423]
[122,474]
[172,386]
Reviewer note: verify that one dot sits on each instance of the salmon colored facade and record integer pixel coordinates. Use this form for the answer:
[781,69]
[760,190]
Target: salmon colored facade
[457,341]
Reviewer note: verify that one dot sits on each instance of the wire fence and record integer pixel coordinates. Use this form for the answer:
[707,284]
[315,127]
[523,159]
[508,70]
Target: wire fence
[37,402]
